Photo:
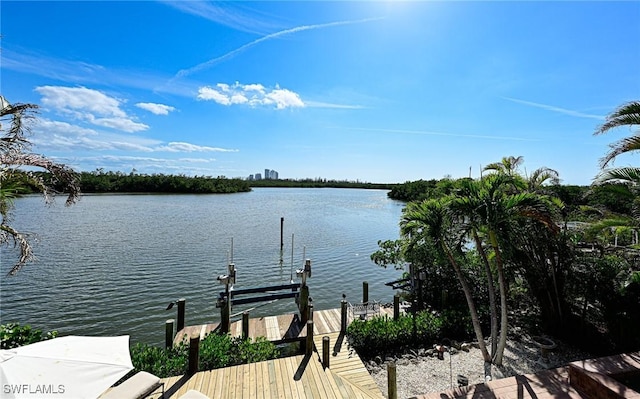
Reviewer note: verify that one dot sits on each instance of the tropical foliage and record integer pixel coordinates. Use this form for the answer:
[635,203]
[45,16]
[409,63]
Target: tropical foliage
[510,240]
[384,335]
[17,177]
[626,115]
[13,335]
[117,182]
[216,351]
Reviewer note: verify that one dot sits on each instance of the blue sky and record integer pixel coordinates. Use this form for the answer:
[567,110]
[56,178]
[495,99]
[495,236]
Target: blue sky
[369,91]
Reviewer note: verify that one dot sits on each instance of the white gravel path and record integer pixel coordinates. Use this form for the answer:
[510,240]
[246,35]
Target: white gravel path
[423,373]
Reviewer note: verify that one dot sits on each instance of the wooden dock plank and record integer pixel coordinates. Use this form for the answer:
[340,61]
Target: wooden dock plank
[274,379]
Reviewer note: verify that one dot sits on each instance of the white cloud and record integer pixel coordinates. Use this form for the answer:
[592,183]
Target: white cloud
[48,127]
[89,105]
[157,109]
[223,13]
[65,136]
[187,147]
[253,94]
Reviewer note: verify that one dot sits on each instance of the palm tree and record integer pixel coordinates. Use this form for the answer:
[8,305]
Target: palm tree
[14,180]
[431,220]
[626,115]
[492,205]
[508,165]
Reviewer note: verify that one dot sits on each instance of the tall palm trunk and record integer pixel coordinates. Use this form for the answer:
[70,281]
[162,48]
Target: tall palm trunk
[492,293]
[470,302]
[502,343]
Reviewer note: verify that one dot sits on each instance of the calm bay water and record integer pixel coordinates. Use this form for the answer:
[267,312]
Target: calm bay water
[110,264]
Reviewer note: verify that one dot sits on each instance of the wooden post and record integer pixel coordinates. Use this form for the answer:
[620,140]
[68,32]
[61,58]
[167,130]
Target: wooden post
[245,324]
[343,316]
[194,353]
[304,303]
[225,314]
[396,307]
[168,333]
[325,352]
[392,388]
[310,310]
[281,235]
[365,292]
[309,344]
[181,310]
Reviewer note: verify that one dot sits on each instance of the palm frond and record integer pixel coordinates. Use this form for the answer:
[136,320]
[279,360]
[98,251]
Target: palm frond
[621,146]
[626,115]
[627,174]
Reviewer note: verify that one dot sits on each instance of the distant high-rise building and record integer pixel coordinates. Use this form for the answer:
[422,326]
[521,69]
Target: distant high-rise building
[250,177]
[270,174]
[258,176]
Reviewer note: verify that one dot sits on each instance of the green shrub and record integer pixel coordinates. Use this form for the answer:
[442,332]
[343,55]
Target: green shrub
[380,335]
[216,351]
[12,335]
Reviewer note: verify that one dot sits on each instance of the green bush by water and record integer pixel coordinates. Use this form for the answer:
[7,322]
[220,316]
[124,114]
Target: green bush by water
[216,351]
[380,335]
[13,335]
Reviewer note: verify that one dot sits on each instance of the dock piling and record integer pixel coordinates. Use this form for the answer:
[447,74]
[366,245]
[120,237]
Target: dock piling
[392,388]
[325,352]
[365,292]
[245,324]
[304,303]
[181,311]
[168,333]
[225,314]
[194,354]
[309,344]
[343,315]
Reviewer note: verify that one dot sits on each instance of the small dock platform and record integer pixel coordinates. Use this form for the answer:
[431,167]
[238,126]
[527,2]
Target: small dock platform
[277,329]
[301,376]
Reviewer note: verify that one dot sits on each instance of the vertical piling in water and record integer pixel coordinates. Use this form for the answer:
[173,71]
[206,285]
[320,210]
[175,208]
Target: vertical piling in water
[365,292]
[168,333]
[194,354]
[281,241]
[281,235]
[245,324]
[396,307]
[325,352]
[392,388]
[181,311]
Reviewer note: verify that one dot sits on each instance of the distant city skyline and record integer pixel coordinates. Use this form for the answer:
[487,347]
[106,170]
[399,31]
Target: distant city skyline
[269,174]
[375,91]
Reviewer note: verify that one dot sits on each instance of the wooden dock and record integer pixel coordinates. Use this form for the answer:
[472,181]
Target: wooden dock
[291,377]
[281,328]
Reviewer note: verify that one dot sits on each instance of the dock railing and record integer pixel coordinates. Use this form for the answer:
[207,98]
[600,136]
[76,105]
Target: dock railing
[363,310]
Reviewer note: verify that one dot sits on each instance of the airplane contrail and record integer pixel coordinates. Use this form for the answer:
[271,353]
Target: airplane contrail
[186,72]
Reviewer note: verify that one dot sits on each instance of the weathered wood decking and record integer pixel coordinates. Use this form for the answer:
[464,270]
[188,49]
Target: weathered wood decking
[291,377]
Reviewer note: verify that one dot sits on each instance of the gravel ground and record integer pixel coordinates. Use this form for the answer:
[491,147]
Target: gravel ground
[420,372]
